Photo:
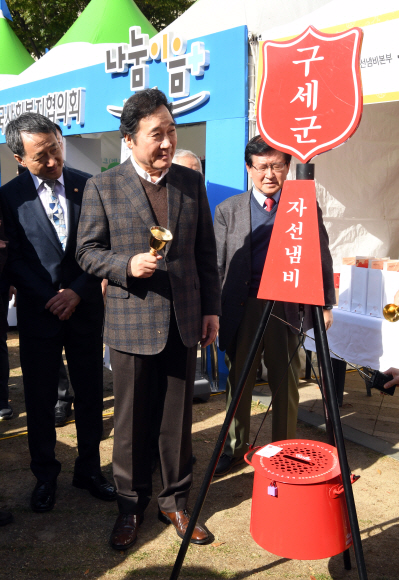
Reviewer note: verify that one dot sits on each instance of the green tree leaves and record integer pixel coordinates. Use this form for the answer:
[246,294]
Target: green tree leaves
[40,24]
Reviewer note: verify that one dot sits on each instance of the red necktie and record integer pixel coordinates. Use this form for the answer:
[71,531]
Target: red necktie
[269,203]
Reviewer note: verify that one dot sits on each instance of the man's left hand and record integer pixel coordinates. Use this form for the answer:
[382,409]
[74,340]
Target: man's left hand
[64,303]
[210,327]
[328,318]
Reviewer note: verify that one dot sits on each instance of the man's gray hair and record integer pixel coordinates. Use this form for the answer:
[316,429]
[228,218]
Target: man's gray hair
[179,153]
[29,123]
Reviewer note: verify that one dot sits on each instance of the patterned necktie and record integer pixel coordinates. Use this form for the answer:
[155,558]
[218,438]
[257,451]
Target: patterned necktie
[269,203]
[55,213]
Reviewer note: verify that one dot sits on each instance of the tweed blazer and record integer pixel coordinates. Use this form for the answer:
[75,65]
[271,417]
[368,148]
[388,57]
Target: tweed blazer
[233,240]
[115,224]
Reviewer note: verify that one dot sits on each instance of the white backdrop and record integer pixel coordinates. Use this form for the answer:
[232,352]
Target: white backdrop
[358,187]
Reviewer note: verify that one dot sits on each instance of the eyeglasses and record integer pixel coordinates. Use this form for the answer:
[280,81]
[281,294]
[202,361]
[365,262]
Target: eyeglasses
[274,167]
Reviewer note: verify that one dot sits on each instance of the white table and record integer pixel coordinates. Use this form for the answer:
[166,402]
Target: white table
[363,340]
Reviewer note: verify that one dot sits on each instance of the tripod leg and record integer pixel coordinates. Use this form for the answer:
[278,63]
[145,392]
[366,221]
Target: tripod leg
[327,416]
[347,560]
[221,440]
[308,368]
[332,405]
[331,440]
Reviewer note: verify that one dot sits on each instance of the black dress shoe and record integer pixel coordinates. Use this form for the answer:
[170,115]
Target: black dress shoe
[6,412]
[61,414]
[226,464]
[97,485]
[124,534]
[43,496]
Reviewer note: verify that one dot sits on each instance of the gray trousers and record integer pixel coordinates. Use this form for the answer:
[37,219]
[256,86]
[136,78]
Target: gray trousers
[168,376]
[277,345]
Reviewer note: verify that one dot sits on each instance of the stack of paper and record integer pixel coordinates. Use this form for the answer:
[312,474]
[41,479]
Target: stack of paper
[345,287]
[359,290]
[374,293]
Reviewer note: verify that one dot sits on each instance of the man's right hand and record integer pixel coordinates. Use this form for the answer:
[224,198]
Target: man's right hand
[393,382]
[144,265]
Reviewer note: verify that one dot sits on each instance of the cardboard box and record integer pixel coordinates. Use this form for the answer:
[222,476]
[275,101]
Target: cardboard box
[359,261]
[362,262]
[344,302]
[391,266]
[359,289]
[378,264]
[349,261]
[374,293]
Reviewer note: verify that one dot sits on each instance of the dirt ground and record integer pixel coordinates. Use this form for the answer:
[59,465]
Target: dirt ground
[71,542]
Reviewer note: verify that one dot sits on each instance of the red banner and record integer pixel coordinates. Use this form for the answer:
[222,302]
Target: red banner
[292,271]
[310,97]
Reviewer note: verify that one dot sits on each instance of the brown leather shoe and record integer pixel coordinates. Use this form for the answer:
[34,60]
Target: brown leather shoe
[180,521]
[124,534]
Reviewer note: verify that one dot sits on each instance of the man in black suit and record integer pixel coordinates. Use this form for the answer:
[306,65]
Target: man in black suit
[58,306]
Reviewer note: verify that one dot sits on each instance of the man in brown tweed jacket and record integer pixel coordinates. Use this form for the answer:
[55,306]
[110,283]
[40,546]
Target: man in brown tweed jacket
[158,308]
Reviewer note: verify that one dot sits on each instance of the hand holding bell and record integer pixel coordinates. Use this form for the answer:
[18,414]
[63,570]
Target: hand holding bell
[158,238]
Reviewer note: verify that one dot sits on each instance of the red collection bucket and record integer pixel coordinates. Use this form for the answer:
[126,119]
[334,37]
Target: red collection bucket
[298,503]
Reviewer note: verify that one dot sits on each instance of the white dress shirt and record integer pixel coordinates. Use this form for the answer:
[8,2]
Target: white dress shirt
[144,174]
[59,190]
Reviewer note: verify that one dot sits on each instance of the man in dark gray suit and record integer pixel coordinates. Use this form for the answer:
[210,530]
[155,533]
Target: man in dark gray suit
[58,305]
[158,307]
[243,227]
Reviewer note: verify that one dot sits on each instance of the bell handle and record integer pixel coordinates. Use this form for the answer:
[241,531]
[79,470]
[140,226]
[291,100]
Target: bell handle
[153,252]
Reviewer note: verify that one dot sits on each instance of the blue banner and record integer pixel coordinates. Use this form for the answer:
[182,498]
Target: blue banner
[5,10]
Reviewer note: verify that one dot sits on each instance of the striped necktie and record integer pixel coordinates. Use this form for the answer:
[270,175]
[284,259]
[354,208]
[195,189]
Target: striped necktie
[55,213]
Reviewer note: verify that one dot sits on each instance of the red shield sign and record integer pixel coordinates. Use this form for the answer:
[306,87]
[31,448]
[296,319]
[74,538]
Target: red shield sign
[310,98]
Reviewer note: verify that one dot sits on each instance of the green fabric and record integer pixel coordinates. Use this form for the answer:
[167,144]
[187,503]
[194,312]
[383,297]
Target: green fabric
[14,56]
[107,21]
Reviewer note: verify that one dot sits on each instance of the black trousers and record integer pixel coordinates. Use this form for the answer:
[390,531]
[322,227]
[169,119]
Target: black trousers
[173,371]
[65,398]
[40,362]
[4,363]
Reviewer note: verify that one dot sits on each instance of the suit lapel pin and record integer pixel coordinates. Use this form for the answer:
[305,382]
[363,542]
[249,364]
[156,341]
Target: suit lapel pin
[76,190]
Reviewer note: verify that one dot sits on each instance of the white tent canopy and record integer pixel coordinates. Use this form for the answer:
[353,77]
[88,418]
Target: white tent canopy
[209,16]
[333,13]
[379,56]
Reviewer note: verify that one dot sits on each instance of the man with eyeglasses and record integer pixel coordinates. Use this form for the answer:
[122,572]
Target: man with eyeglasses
[243,228]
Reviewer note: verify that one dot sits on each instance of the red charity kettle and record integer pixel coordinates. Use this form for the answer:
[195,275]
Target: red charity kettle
[298,503]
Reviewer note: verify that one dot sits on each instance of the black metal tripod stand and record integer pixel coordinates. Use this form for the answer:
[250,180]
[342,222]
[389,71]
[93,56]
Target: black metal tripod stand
[333,421]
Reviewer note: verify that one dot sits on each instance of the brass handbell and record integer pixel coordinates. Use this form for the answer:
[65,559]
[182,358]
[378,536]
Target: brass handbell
[391,312]
[158,238]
